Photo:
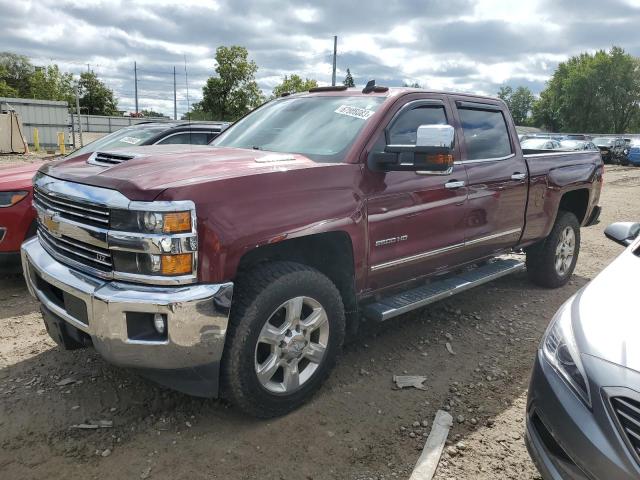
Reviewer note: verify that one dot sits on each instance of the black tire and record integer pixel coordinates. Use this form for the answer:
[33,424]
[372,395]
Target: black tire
[541,258]
[258,294]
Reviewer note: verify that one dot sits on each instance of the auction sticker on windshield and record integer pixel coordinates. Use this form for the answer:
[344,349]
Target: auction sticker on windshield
[356,112]
[131,140]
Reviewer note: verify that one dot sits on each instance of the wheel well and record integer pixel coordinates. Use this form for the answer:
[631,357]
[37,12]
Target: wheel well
[330,253]
[576,202]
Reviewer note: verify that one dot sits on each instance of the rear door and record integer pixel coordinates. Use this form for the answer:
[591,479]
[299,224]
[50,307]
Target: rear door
[497,178]
[415,219]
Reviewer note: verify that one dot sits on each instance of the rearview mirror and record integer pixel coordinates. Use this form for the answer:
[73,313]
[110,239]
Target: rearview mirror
[432,152]
[623,233]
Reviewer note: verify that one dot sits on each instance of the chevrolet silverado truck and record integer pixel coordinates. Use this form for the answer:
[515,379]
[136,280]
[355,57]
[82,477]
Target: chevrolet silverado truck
[237,269]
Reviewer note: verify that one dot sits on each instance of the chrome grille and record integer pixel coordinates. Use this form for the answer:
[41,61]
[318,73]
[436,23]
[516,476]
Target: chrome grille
[108,159]
[628,414]
[76,251]
[71,209]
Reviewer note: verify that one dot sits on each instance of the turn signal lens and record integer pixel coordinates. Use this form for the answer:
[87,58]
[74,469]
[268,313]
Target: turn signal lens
[440,159]
[177,222]
[177,264]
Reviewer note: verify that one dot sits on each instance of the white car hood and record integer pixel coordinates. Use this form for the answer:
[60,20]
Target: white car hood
[606,313]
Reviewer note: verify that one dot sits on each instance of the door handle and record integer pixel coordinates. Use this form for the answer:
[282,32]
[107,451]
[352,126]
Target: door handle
[453,184]
[518,176]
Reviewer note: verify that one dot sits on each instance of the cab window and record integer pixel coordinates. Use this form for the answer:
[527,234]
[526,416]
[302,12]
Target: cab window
[485,133]
[403,130]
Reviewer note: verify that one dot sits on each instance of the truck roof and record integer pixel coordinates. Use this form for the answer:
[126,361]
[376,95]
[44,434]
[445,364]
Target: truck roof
[390,92]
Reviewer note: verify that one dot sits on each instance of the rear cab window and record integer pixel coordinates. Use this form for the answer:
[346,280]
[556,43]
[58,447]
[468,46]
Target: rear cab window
[485,132]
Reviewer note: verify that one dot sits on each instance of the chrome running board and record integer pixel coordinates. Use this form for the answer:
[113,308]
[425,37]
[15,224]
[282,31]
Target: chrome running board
[404,302]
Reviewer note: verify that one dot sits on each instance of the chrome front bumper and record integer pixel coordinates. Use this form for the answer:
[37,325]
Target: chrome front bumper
[197,317]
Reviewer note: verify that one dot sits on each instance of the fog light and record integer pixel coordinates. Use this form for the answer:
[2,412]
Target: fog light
[160,323]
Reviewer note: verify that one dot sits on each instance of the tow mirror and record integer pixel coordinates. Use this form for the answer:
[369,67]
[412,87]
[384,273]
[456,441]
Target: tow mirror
[623,233]
[432,152]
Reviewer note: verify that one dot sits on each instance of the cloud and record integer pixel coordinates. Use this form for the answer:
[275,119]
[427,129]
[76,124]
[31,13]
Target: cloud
[461,45]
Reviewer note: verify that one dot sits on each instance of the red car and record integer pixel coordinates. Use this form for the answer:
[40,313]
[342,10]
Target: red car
[17,215]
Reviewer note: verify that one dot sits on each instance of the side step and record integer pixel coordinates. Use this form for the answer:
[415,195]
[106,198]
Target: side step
[403,302]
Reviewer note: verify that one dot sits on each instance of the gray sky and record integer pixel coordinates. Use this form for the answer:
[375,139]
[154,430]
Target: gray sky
[461,45]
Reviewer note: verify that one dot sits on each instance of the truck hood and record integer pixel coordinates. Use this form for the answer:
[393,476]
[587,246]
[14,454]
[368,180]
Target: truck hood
[18,178]
[156,168]
[605,312]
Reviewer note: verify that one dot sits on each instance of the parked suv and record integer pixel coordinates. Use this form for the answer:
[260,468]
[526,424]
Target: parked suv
[156,133]
[612,149]
[239,268]
[634,152]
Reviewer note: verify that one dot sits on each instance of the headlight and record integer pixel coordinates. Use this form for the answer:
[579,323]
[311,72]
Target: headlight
[9,199]
[560,349]
[150,222]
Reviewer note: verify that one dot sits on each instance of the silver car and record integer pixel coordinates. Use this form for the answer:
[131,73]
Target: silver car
[583,410]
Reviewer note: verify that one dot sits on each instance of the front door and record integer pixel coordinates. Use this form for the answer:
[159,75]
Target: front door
[415,219]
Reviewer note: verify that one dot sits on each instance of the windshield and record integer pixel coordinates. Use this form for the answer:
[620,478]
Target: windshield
[321,128]
[125,137]
[571,144]
[603,141]
[535,143]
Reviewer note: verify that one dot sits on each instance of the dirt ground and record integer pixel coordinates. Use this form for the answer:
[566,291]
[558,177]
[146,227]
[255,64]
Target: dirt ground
[357,427]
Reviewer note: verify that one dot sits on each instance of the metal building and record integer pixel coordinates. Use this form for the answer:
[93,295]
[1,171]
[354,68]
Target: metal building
[49,117]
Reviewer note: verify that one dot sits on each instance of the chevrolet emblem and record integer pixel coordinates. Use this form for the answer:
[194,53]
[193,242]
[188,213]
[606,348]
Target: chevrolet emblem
[49,219]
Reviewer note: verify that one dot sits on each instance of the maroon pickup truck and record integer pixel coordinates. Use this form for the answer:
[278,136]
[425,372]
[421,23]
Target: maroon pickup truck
[317,210]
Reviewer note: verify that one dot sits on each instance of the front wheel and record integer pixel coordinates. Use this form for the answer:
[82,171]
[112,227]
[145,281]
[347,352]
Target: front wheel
[551,262]
[286,329]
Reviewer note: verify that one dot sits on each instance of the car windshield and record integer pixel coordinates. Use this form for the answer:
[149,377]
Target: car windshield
[635,142]
[125,137]
[602,141]
[572,144]
[320,127]
[535,143]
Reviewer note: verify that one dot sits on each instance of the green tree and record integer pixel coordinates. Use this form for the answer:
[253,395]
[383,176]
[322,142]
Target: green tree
[151,113]
[411,84]
[348,80]
[234,91]
[592,93]
[15,72]
[95,97]
[5,89]
[520,102]
[294,84]
[48,83]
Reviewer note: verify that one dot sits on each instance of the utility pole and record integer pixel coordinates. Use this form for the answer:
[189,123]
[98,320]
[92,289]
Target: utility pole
[78,115]
[175,98]
[335,53]
[135,77]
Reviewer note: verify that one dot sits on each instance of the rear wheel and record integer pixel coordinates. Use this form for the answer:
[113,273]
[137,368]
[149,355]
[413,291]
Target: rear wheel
[552,262]
[286,329]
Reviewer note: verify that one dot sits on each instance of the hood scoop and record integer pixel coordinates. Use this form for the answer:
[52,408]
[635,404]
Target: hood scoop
[108,159]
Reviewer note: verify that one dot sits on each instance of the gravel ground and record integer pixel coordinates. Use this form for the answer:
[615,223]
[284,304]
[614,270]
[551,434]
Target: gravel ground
[357,427]
[14,160]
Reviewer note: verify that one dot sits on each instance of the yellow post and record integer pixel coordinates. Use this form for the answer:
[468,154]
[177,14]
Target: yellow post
[61,142]
[36,140]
